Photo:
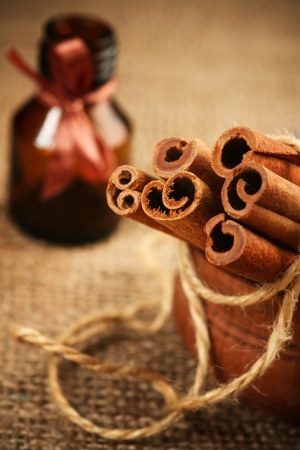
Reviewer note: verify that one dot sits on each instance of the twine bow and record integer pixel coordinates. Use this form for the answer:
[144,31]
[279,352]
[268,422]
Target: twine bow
[77,146]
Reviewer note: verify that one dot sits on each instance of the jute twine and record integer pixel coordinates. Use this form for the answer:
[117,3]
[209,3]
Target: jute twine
[194,289]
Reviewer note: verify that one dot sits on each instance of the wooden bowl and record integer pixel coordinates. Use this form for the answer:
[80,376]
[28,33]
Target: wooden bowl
[238,337]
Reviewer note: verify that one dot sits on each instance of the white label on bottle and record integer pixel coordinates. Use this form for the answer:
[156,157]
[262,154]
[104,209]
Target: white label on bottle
[45,138]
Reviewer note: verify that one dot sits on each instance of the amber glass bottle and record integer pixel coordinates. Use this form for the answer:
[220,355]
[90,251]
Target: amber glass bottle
[80,212]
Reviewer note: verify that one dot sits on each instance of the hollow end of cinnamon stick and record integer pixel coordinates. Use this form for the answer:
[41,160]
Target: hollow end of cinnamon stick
[124,177]
[239,250]
[152,202]
[264,202]
[127,203]
[175,155]
[225,240]
[229,149]
[242,188]
[174,199]
[123,192]
[183,204]
[122,202]
[238,144]
[128,177]
[251,183]
[172,155]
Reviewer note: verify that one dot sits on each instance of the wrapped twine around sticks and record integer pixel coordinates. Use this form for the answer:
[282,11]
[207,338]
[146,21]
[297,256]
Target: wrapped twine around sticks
[194,290]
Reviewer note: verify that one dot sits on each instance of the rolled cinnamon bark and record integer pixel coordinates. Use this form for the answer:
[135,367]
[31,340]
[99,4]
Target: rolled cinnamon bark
[239,250]
[259,198]
[241,144]
[128,177]
[174,155]
[183,204]
[123,195]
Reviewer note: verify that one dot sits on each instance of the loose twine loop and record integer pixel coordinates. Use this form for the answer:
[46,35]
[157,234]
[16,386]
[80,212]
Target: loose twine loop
[289,283]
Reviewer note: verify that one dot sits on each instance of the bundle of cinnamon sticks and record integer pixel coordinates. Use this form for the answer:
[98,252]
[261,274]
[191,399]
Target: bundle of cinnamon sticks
[239,201]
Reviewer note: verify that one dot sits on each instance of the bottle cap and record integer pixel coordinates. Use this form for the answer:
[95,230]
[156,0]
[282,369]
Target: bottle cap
[97,35]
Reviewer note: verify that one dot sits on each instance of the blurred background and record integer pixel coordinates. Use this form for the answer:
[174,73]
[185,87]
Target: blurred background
[189,69]
[186,68]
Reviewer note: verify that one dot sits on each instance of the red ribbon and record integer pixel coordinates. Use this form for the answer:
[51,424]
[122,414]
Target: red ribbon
[77,146]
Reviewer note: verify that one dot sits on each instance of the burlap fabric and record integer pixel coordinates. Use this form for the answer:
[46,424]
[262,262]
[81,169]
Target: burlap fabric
[189,69]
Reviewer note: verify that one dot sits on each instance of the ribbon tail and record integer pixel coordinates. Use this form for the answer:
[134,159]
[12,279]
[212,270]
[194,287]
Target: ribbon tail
[16,59]
[60,169]
[95,160]
[54,92]
[57,178]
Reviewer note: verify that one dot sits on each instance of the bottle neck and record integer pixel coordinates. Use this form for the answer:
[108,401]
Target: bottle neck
[98,37]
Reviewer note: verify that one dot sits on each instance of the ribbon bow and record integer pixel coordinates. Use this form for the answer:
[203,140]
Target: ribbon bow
[77,146]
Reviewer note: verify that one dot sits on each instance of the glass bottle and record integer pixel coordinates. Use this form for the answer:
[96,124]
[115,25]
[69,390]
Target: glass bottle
[79,213]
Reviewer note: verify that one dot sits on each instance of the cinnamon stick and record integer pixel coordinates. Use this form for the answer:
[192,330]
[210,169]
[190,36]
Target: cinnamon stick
[123,195]
[241,144]
[239,250]
[183,204]
[259,198]
[174,155]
